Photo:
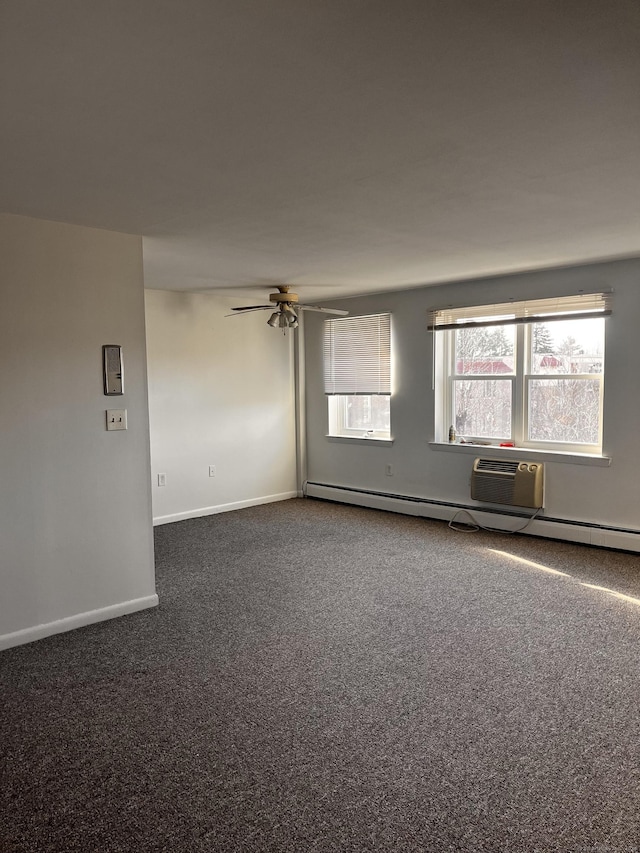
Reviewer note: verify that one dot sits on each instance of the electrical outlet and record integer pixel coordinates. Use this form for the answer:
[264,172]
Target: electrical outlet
[388,470]
[162,479]
[212,470]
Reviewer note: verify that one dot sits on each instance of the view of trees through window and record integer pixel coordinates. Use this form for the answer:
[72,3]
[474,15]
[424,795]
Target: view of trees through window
[483,406]
[565,405]
[560,381]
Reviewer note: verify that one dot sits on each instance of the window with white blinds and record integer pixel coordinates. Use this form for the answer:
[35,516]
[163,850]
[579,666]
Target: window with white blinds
[357,376]
[357,355]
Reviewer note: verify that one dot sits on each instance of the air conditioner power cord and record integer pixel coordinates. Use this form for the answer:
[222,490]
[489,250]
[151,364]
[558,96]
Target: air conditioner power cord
[475,524]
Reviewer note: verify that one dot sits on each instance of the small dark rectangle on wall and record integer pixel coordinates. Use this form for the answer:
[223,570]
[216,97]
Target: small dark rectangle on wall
[112,370]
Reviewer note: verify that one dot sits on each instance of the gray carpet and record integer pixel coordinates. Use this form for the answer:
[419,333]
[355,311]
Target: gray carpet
[326,678]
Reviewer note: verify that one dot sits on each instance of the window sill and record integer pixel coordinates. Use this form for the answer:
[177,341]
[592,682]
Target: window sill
[524,453]
[348,439]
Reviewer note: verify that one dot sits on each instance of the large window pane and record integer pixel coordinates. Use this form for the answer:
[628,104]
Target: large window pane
[488,349]
[568,346]
[482,407]
[564,410]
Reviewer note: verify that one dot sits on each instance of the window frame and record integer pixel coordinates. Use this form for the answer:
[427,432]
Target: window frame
[520,380]
[338,404]
[366,376]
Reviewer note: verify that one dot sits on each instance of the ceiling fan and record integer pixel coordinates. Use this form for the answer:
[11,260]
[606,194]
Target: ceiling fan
[286,307]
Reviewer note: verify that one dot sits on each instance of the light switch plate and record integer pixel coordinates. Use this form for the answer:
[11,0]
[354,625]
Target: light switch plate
[116,419]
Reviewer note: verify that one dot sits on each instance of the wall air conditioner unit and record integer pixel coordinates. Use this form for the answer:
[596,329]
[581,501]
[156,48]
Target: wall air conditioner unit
[502,481]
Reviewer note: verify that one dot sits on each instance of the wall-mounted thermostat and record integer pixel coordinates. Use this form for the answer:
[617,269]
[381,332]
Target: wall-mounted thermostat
[112,367]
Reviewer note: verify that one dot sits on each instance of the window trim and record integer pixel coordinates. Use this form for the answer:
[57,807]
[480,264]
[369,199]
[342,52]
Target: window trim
[363,370]
[521,377]
[597,459]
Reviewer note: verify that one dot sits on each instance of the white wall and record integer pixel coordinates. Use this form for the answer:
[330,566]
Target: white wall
[220,393]
[607,496]
[75,512]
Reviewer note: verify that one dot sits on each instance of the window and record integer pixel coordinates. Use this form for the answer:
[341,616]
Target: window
[357,375]
[527,373]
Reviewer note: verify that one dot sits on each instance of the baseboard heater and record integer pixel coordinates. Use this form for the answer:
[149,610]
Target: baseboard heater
[550,527]
[509,482]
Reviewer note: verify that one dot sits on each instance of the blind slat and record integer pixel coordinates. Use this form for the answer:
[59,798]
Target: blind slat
[580,305]
[357,355]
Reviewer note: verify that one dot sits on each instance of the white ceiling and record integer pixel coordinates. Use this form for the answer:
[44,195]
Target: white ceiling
[343,146]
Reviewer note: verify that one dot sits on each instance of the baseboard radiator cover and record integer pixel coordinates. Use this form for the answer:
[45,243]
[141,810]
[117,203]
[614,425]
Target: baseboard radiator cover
[567,530]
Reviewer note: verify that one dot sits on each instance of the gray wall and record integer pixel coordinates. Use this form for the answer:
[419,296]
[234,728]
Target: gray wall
[75,507]
[583,492]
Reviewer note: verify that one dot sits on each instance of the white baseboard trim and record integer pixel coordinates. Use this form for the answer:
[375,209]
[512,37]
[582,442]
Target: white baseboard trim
[39,632]
[586,534]
[212,510]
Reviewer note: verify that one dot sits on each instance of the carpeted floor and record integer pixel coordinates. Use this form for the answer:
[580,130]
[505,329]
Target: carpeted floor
[327,678]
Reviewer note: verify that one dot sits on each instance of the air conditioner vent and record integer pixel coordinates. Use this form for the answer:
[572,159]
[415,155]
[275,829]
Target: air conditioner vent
[504,466]
[503,481]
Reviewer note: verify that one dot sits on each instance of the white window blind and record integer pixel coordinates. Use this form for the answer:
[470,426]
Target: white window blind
[357,355]
[579,306]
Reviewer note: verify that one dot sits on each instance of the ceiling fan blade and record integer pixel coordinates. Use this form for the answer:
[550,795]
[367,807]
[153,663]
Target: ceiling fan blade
[252,308]
[248,310]
[324,310]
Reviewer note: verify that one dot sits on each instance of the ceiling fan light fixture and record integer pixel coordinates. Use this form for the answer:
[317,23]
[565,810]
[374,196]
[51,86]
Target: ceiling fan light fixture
[287,309]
